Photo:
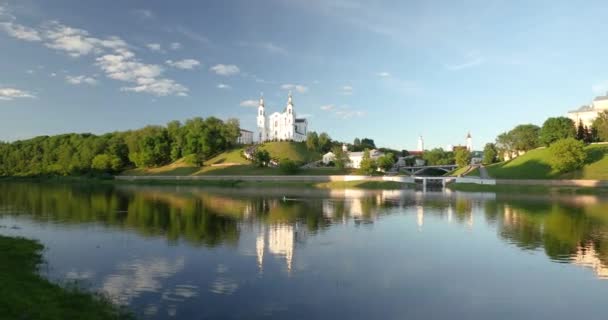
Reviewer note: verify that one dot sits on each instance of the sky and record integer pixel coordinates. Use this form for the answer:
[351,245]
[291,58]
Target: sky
[387,70]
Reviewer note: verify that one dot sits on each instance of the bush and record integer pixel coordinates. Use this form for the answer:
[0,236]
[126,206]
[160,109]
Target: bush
[567,155]
[287,166]
[194,159]
[261,158]
[462,157]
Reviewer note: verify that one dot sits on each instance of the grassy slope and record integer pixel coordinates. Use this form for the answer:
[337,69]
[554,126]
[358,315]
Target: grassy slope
[26,295]
[229,157]
[290,150]
[535,165]
[459,171]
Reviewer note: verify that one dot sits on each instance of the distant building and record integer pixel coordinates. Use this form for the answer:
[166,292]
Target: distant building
[281,126]
[356,157]
[420,144]
[329,157]
[246,137]
[587,113]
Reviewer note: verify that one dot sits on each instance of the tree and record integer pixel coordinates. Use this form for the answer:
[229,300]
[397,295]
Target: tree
[557,128]
[312,141]
[341,158]
[357,142]
[580,131]
[367,143]
[106,163]
[567,155]
[261,158]
[287,166]
[386,162]
[438,156]
[525,137]
[368,166]
[462,157]
[324,142]
[489,153]
[600,124]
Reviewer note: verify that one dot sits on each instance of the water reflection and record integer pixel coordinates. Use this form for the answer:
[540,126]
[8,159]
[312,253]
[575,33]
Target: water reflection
[168,250]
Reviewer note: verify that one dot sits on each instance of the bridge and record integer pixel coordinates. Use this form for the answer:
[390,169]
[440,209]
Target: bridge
[414,170]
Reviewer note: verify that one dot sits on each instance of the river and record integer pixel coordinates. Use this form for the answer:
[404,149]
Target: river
[186,252]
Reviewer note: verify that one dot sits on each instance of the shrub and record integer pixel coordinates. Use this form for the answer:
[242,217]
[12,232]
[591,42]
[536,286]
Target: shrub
[462,157]
[567,155]
[261,158]
[287,166]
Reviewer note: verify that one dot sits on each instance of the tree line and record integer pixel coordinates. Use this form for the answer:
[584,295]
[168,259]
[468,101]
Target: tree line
[194,140]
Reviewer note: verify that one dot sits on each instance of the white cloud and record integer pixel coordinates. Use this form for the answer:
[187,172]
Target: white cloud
[297,87]
[192,35]
[472,59]
[175,46]
[81,80]
[305,115]
[249,103]
[225,69]
[347,113]
[383,74]
[154,46]
[53,74]
[266,46]
[327,107]
[30,71]
[112,55]
[144,13]
[12,93]
[20,32]
[186,64]
[223,86]
[346,90]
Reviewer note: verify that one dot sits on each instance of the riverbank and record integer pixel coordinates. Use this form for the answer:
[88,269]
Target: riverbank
[529,189]
[24,294]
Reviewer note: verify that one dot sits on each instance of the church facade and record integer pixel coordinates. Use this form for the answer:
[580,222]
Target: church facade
[280,126]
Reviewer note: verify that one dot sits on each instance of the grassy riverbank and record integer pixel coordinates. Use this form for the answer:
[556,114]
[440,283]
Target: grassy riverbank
[527,189]
[26,295]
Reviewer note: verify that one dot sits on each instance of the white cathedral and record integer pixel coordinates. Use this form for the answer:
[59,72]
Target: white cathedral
[282,126]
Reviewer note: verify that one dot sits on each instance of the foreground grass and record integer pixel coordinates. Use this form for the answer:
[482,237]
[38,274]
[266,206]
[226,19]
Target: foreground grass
[26,295]
[514,189]
[295,151]
[535,164]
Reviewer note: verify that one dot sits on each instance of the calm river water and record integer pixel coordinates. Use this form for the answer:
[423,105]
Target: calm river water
[200,253]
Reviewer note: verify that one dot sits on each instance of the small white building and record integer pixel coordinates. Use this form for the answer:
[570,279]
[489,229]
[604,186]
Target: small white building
[246,137]
[356,157]
[329,157]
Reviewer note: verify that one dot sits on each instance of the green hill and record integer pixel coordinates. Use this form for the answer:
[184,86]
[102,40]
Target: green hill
[295,151]
[535,165]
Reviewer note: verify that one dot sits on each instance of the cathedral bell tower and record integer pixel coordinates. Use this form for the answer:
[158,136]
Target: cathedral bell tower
[261,120]
[290,117]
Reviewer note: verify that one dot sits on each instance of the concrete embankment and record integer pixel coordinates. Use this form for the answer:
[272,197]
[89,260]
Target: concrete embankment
[343,178]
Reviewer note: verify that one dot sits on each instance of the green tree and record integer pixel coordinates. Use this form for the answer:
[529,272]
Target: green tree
[438,156]
[324,142]
[555,129]
[367,143]
[261,158]
[462,157]
[525,137]
[489,153]
[600,124]
[106,163]
[367,166]
[341,158]
[386,161]
[567,155]
[312,141]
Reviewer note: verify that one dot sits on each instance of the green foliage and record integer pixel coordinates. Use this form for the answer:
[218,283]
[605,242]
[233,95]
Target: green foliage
[523,137]
[324,143]
[567,155]
[312,141]
[438,156]
[490,154]
[341,158]
[555,129]
[106,163]
[462,156]
[368,166]
[600,126]
[152,146]
[261,158]
[365,143]
[287,166]
[386,162]
[27,295]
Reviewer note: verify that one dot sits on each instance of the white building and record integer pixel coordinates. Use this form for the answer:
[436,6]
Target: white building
[282,126]
[356,157]
[246,137]
[587,113]
[469,142]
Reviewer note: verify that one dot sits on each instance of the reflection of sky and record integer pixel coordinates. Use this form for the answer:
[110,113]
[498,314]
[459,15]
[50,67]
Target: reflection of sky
[413,263]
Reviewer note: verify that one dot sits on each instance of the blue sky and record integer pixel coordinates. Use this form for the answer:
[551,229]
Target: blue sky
[389,70]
